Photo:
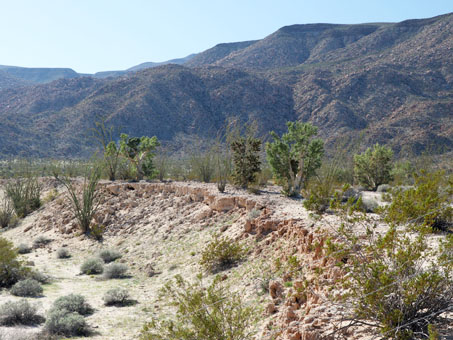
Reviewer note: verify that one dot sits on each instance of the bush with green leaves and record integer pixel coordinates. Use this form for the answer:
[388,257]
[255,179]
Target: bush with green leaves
[73,303]
[295,156]
[115,271]
[24,248]
[221,253]
[11,268]
[117,297]
[85,206]
[92,266]
[373,167]
[27,288]
[203,313]
[109,255]
[427,204]
[65,323]
[63,253]
[24,194]
[394,282]
[19,313]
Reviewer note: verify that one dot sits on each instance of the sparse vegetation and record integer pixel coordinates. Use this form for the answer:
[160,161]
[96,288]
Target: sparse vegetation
[92,266]
[27,288]
[202,313]
[115,271]
[295,156]
[221,253]
[117,297]
[109,255]
[373,167]
[19,313]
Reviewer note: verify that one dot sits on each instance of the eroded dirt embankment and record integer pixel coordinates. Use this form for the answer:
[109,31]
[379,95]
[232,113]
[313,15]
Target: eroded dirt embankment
[160,228]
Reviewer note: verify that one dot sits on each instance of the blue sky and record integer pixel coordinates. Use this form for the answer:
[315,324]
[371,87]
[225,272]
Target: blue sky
[98,35]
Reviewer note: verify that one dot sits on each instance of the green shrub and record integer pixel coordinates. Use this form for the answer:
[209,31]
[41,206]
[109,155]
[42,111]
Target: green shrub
[24,194]
[24,248]
[11,269]
[428,203]
[73,303]
[63,253]
[400,288]
[117,297]
[19,313]
[115,271]
[41,241]
[109,255]
[295,156]
[65,323]
[92,266]
[221,253]
[203,313]
[27,288]
[373,167]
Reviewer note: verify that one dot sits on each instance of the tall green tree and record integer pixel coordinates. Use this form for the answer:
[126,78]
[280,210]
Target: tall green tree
[140,152]
[104,136]
[295,156]
[373,167]
[246,160]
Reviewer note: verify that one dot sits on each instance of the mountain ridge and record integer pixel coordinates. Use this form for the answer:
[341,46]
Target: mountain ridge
[360,84]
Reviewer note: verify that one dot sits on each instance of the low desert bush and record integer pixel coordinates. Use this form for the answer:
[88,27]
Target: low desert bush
[426,204]
[109,255]
[39,276]
[24,194]
[64,323]
[27,288]
[202,313]
[116,297]
[11,268]
[400,288]
[73,303]
[41,241]
[19,313]
[115,271]
[92,266]
[24,248]
[221,253]
[63,253]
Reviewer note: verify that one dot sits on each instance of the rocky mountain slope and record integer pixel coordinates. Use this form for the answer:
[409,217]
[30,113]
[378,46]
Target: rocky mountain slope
[361,84]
